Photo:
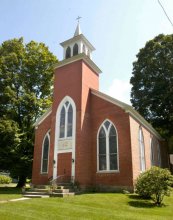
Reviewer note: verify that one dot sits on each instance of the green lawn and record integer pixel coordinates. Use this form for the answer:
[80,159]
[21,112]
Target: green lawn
[7,193]
[86,206]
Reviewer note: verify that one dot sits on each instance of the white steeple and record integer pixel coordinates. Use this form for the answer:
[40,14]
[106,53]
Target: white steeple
[78,30]
[78,44]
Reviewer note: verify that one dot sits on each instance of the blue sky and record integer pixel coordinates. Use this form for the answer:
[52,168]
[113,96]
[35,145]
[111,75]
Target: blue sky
[116,28]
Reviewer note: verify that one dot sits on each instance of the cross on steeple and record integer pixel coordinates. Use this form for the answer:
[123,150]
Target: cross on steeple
[78,18]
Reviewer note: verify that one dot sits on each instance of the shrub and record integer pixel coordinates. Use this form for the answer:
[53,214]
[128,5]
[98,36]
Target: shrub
[154,183]
[5,179]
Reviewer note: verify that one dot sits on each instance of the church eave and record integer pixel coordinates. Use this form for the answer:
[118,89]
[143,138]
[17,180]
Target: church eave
[76,38]
[128,109]
[81,56]
[43,117]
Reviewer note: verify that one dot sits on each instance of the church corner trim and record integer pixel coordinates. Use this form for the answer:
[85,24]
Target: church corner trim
[81,56]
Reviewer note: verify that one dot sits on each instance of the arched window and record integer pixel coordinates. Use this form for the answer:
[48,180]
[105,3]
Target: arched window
[45,154]
[68,53]
[159,154]
[141,150]
[75,49]
[155,153]
[152,152]
[66,120]
[107,147]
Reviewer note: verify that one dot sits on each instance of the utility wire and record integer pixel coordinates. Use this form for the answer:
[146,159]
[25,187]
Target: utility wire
[165,12]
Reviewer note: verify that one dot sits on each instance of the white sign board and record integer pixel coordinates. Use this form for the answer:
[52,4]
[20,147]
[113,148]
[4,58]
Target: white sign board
[64,145]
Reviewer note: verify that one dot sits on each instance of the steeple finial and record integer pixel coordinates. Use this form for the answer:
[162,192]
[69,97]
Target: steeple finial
[78,18]
[78,29]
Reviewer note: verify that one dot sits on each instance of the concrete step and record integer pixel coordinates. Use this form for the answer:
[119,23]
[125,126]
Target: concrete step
[65,187]
[35,196]
[41,186]
[36,193]
[62,194]
[61,191]
[38,190]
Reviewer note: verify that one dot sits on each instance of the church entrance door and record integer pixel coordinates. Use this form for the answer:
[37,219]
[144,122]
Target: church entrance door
[64,166]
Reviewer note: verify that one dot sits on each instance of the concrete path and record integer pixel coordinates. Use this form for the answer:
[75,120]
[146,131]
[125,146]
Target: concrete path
[13,200]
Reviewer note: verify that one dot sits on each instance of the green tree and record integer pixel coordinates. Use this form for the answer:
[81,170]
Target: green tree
[26,78]
[155,183]
[152,83]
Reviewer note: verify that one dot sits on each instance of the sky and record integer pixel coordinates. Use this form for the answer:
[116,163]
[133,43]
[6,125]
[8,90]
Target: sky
[118,29]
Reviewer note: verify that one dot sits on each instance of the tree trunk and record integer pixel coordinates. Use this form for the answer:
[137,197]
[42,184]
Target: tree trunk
[22,181]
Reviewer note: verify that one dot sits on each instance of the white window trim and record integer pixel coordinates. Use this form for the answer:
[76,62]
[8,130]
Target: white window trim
[46,135]
[107,149]
[73,138]
[141,150]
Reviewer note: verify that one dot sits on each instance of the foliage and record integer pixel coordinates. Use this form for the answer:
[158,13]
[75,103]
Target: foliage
[152,83]
[5,179]
[155,183]
[26,74]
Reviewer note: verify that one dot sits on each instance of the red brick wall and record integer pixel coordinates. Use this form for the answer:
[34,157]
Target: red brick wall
[134,126]
[74,80]
[40,132]
[101,110]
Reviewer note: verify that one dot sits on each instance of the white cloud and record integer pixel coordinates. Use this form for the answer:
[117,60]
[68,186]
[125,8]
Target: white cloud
[120,89]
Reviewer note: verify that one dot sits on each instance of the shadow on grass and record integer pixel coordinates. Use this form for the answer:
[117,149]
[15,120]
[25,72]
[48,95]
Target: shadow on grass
[10,190]
[138,202]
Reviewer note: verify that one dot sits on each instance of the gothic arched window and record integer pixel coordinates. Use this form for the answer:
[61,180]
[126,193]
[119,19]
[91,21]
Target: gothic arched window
[159,154]
[107,147]
[68,53]
[75,49]
[152,152]
[141,150]
[45,154]
[66,120]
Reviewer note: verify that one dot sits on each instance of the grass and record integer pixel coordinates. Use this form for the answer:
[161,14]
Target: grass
[87,206]
[9,191]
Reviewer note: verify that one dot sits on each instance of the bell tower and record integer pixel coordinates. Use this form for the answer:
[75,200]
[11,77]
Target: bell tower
[77,44]
[75,76]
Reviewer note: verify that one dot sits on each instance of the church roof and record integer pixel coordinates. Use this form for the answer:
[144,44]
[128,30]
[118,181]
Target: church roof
[42,117]
[128,109]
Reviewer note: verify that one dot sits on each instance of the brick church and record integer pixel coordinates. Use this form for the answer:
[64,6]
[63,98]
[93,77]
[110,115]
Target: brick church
[87,135]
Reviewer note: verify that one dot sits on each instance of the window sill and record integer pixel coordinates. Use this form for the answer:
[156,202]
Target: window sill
[66,138]
[44,173]
[108,171]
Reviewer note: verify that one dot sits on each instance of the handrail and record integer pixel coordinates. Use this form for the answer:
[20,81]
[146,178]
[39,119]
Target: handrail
[55,179]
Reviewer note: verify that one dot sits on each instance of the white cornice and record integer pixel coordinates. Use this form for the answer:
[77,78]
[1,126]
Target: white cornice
[76,38]
[80,56]
[43,117]
[128,109]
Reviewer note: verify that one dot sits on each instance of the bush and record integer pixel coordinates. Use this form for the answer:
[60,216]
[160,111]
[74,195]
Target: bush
[155,184]
[5,179]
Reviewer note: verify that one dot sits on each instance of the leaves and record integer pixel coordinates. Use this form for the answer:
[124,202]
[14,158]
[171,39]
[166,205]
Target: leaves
[154,183]
[152,83]
[26,76]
